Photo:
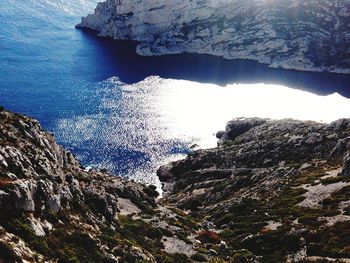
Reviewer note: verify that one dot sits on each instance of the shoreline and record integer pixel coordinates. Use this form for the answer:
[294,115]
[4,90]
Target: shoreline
[50,201]
[286,66]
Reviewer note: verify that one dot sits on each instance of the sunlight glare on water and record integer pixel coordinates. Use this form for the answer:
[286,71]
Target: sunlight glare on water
[139,127]
[62,77]
[203,109]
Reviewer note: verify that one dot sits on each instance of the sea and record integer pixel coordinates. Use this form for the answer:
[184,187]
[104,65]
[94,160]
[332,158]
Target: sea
[129,114]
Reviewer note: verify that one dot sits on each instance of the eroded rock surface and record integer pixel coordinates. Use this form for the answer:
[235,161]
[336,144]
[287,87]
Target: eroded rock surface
[286,171]
[272,191]
[52,210]
[309,35]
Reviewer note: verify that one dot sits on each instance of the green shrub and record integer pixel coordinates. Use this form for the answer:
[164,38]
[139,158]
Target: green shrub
[309,219]
[151,190]
[332,180]
[173,258]
[242,256]
[75,247]
[347,211]
[166,232]
[108,236]
[208,237]
[51,216]
[199,257]
[192,204]
[330,241]
[273,243]
[7,254]
[182,235]
[20,227]
[141,233]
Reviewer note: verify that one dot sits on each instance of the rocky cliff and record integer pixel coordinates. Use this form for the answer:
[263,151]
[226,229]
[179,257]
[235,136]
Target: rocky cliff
[272,191]
[52,210]
[309,35]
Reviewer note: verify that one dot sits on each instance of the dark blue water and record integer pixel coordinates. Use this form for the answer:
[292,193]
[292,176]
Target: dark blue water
[62,77]
[131,68]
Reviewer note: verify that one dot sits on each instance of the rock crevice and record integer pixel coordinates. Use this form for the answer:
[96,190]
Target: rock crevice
[271,191]
[303,35]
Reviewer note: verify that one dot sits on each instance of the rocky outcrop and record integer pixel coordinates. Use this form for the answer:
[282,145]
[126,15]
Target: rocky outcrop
[257,148]
[269,183]
[237,127]
[304,35]
[272,191]
[53,210]
[40,175]
[346,167]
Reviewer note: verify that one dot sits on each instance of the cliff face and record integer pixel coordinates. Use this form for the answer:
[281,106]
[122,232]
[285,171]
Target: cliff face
[304,35]
[52,210]
[272,191]
[276,191]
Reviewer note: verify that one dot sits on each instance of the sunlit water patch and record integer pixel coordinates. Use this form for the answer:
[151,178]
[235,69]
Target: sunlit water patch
[53,72]
[137,127]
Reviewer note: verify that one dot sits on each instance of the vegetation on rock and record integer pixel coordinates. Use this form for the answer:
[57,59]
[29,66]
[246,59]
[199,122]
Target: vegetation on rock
[273,191]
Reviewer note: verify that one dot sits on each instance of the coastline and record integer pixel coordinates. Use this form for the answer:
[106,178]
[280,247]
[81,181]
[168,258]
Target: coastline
[271,191]
[151,94]
[265,33]
[262,60]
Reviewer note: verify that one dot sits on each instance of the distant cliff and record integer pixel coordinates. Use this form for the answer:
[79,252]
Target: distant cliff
[309,35]
[272,191]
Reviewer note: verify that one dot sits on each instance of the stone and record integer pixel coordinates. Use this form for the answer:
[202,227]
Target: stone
[257,160]
[314,138]
[213,252]
[346,165]
[239,126]
[340,124]
[342,146]
[54,203]
[219,134]
[303,35]
[210,191]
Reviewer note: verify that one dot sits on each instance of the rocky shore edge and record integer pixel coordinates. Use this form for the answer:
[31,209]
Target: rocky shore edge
[300,35]
[272,191]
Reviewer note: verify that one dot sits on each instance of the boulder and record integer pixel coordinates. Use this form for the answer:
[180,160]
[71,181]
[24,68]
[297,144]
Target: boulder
[346,165]
[239,126]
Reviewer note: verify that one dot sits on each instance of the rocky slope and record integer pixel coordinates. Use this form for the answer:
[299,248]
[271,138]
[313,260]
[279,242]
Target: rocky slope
[52,210]
[272,191]
[309,35]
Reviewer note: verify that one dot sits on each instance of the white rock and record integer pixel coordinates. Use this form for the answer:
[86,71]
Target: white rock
[252,29]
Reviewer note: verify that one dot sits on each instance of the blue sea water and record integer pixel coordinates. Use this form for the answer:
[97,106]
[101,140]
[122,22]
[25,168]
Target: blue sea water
[92,92]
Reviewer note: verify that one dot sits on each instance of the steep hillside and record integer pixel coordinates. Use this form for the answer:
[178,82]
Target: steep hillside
[272,191]
[52,210]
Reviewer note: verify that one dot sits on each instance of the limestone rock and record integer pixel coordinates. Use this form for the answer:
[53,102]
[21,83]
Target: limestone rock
[269,192]
[252,154]
[346,166]
[40,181]
[309,35]
[239,126]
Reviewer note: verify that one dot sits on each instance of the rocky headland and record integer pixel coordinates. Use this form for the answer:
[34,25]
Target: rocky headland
[309,35]
[272,191]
